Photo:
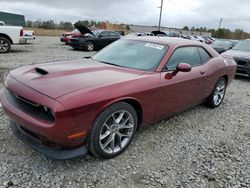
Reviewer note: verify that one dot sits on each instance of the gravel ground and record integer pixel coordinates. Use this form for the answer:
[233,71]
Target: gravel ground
[201,147]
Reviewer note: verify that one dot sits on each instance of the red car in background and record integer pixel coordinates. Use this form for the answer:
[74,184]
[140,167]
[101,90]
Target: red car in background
[97,104]
[65,37]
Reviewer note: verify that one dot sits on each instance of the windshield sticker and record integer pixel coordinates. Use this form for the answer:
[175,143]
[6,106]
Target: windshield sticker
[156,46]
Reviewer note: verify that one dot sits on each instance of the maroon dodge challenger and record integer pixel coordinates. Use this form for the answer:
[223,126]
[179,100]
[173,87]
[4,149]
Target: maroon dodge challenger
[98,103]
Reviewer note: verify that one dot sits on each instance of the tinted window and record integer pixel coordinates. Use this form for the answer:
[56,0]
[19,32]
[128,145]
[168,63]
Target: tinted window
[204,55]
[188,55]
[104,34]
[219,43]
[113,34]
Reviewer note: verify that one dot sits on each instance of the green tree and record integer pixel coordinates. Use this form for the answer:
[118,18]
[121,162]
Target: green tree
[81,23]
[48,24]
[92,23]
[29,24]
[186,28]
[128,28]
[67,26]
[193,28]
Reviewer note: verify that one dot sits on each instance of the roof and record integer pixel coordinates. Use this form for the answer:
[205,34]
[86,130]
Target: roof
[167,40]
[12,19]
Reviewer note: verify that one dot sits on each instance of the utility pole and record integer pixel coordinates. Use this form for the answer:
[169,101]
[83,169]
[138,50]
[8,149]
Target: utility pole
[159,27]
[220,23]
[218,31]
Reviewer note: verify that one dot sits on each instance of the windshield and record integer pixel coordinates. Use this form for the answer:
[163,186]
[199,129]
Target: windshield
[132,54]
[76,31]
[222,43]
[96,32]
[243,45]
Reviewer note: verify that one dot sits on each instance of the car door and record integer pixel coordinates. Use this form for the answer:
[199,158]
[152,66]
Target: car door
[184,89]
[102,39]
[112,36]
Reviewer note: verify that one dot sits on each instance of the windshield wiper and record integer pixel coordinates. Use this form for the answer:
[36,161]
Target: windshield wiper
[111,64]
[88,57]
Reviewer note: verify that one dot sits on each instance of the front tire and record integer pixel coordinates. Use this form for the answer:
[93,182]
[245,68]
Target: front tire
[217,96]
[4,45]
[113,130]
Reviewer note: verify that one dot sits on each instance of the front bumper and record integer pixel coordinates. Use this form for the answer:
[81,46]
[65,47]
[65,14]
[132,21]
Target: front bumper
[36,144]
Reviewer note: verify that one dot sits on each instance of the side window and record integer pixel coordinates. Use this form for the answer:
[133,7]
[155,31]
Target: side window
[112,34]
[204,55]
[188,55]
[104,34]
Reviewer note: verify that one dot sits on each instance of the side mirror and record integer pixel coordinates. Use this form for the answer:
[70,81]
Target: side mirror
[100,36]
[183,67]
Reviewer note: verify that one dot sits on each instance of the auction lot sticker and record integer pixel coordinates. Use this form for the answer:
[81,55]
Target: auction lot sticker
[156,46]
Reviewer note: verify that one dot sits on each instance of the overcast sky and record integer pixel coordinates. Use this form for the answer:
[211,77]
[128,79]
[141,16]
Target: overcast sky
[176,13]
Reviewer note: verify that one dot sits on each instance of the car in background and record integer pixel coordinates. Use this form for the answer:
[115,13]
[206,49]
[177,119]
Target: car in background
[28,35]
[222,45]
[122,33]
[241,54]
[235,42]
[174,34]
[66,36]
[97,104]
[199,38]
[159,33]
[2,23]
[208,40]
[189,37]
[93,40]
[10,35]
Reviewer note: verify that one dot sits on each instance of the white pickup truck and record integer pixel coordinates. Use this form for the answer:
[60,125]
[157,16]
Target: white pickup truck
[9,35]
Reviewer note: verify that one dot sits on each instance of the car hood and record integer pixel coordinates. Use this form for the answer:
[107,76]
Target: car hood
[60,78]
[237,54]
[83,29]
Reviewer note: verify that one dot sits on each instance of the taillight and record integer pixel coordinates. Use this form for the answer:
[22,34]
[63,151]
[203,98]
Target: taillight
[21,33]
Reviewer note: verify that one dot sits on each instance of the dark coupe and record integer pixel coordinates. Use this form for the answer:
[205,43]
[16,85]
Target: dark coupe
[241,54]
[93,40]
[222,45]
[97,104]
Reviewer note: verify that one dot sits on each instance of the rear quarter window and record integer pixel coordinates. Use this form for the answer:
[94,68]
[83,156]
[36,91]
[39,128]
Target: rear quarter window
[204,55]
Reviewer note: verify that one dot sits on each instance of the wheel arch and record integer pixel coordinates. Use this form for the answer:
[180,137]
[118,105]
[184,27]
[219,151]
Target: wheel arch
[131,101]
[6,36]
[226,77]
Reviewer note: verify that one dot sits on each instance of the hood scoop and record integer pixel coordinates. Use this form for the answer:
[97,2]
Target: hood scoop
[41,71]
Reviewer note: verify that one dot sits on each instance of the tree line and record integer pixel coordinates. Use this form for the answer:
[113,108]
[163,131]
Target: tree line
[217,33]
[50,24]
[223,33]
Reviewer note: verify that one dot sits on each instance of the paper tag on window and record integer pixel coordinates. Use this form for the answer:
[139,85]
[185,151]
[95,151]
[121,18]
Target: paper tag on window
[156,46]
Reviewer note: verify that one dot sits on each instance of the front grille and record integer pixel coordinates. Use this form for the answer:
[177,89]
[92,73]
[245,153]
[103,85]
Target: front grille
[30,107]
[241,72]
[241,61]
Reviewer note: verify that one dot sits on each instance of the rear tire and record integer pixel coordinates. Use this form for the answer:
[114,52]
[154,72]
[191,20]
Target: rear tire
[217,96]
[5,45]
[113,130]
[90,46]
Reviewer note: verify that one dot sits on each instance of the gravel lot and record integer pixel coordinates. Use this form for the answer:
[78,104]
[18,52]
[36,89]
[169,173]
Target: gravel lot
[201,147]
